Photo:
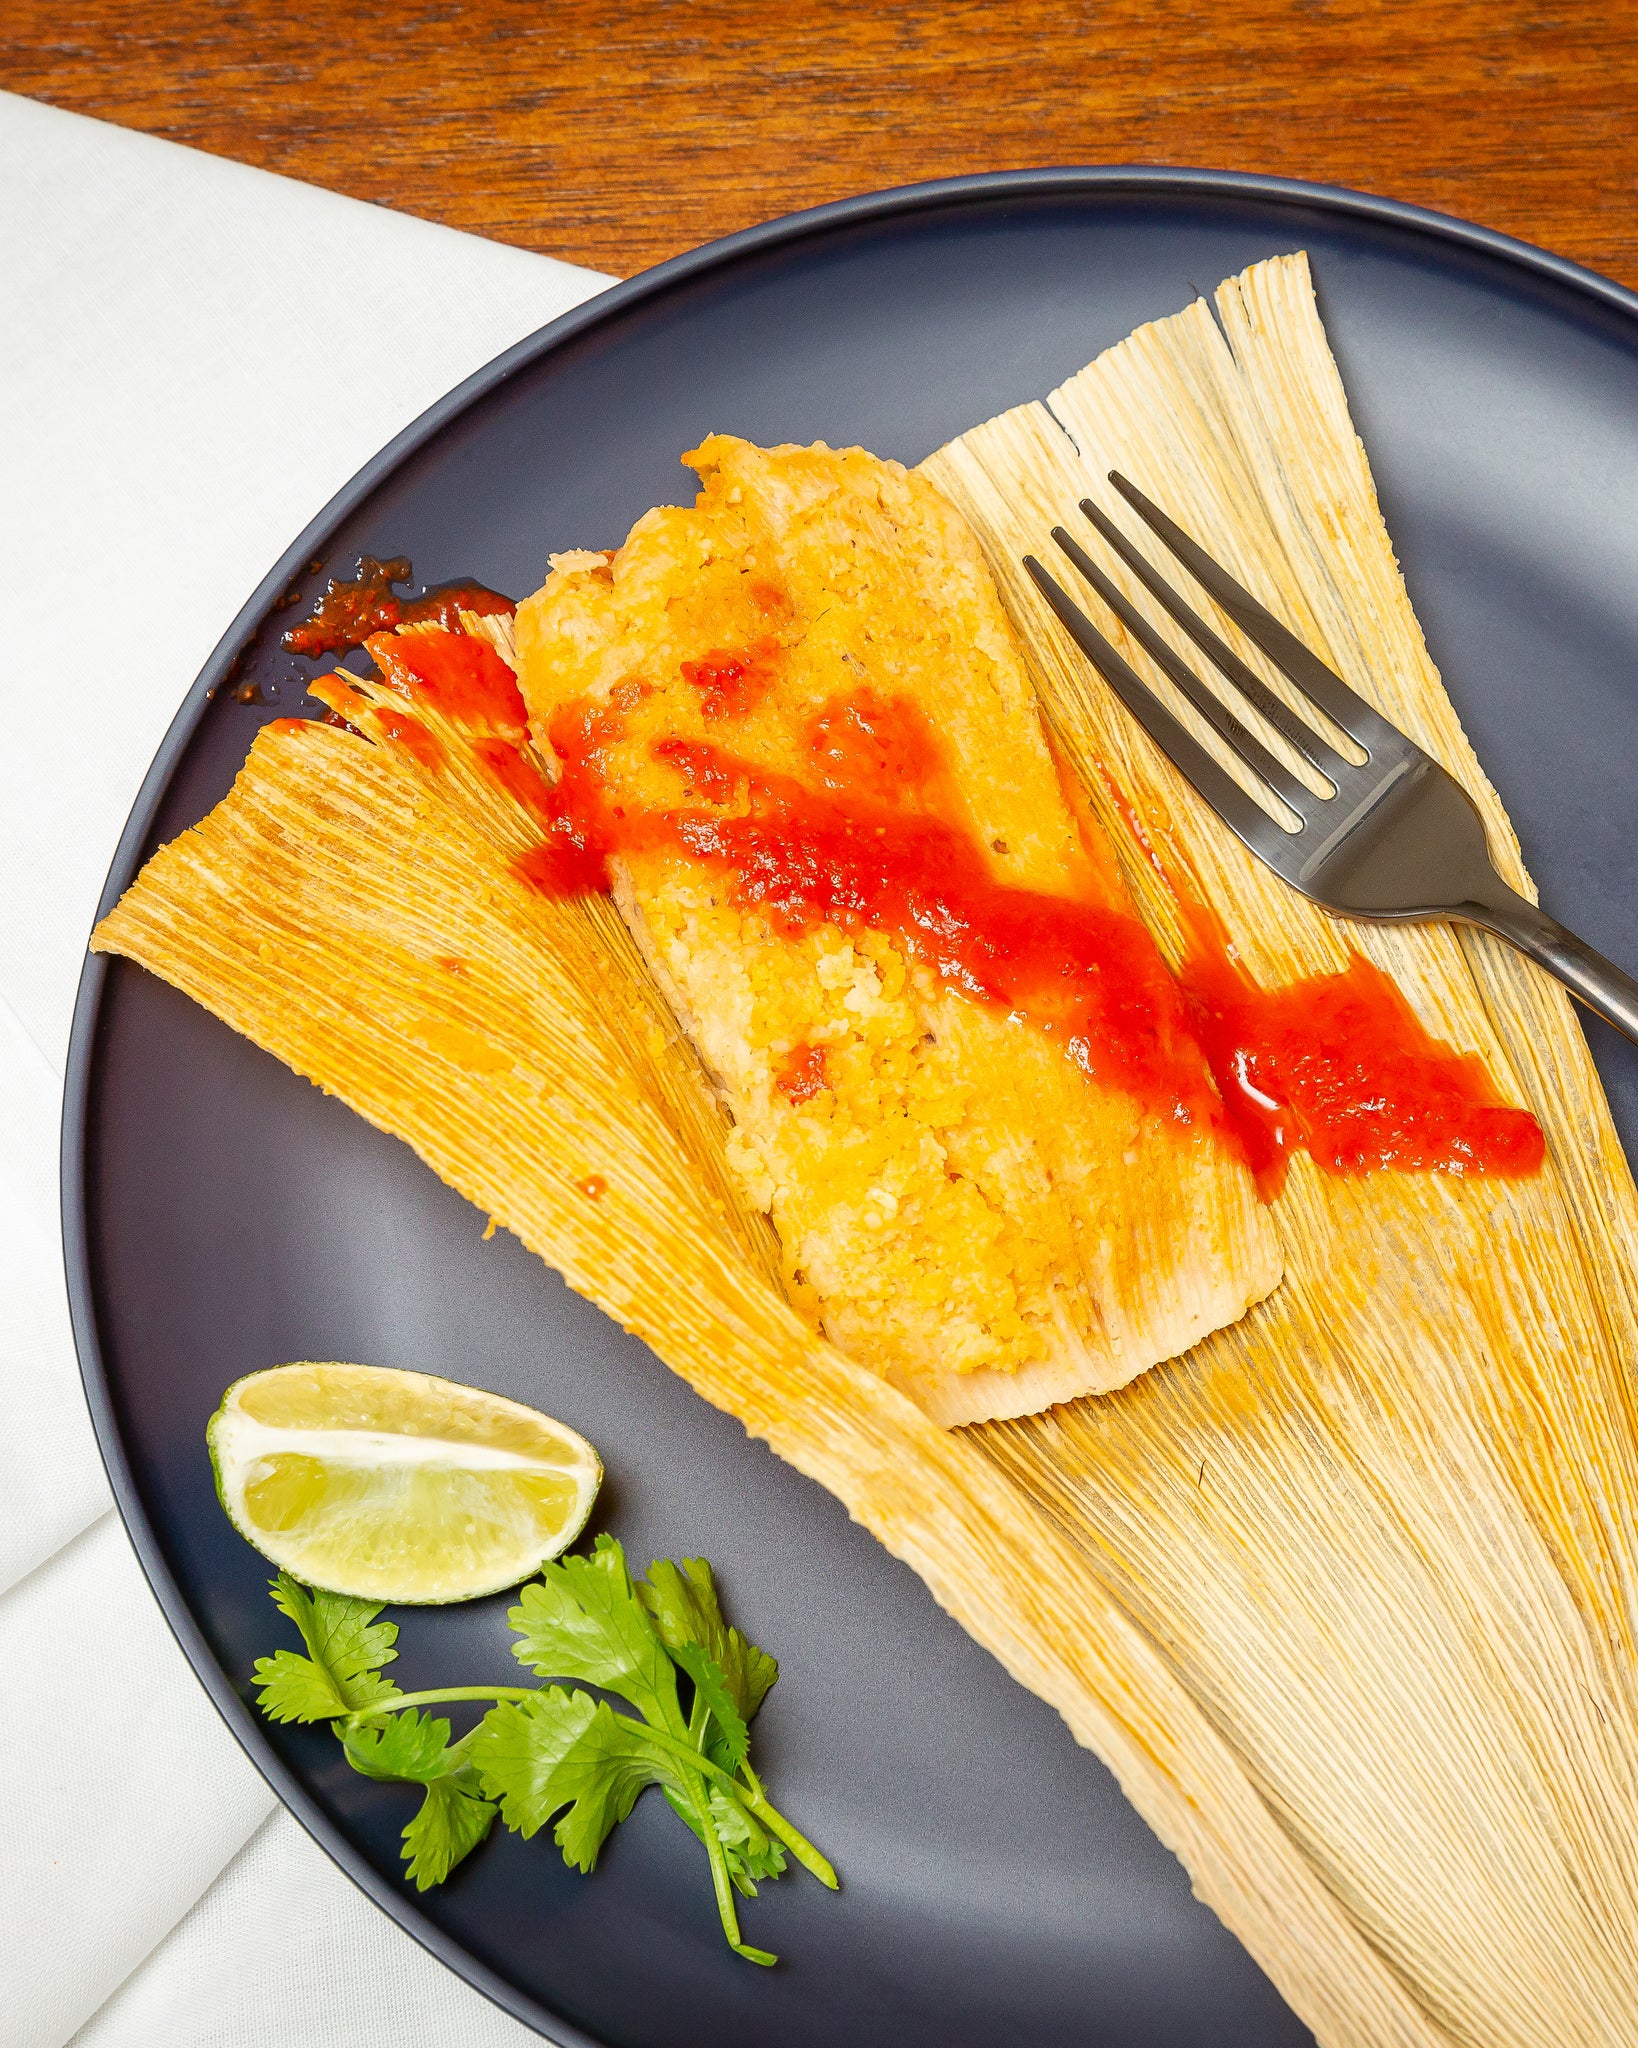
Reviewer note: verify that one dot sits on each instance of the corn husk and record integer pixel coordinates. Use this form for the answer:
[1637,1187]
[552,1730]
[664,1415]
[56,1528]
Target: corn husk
[1383,1526]
[1345,1596]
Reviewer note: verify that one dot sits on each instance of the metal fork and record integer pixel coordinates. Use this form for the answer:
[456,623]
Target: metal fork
[1396,839]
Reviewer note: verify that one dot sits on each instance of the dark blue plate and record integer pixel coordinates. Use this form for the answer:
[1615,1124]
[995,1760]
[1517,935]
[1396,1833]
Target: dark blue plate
[221,1215]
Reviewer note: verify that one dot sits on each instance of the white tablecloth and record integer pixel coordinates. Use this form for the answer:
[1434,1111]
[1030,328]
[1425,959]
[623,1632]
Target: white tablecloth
[173,388]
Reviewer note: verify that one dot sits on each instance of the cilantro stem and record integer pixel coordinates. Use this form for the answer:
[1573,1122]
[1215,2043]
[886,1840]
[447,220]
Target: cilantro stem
[721,1883]
[776,1824]
[439,1695]
[750,1793]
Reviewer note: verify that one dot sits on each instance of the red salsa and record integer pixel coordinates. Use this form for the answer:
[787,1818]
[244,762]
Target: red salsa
[871,837]
[351,609]
[461,677]
[731,682]
[802,1074]
[1340,1066]
[860,854]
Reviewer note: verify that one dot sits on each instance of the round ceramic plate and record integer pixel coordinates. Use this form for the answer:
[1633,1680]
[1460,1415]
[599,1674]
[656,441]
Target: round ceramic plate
[222,1215]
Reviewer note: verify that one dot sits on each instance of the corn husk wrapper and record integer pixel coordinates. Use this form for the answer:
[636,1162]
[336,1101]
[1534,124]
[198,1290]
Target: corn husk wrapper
[1345,1597]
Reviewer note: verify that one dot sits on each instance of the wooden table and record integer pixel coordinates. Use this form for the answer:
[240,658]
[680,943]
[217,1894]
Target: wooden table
[617,134]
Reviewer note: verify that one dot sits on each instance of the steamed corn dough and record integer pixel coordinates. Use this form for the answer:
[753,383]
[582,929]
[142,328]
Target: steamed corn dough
[963,1208]
[1344,1597]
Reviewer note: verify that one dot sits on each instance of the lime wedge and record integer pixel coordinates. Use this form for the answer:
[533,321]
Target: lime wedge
[395,1485]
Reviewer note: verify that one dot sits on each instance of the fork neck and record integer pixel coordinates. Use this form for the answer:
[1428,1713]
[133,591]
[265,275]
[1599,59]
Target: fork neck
[1606,989]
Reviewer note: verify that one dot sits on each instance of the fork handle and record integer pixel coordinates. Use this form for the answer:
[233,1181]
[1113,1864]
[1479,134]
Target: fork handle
[1589,977]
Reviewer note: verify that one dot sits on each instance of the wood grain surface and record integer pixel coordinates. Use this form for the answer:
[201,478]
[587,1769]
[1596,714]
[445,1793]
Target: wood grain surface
[618,134]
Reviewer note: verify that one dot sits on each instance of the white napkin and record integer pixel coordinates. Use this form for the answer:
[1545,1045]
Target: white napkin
[174,389]
[51,1482]
[282,1950]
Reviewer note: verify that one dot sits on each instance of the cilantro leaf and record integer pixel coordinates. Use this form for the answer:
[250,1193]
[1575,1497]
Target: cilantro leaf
[296,1689]
[682,1601]
[582,1619]
[751,1852]
[609,1769]
[408,1745]
[731,1744]
[517,1747]
[453,1819]
[565,1752]
[343,1635]
[559,1755]
[346,1647]
[750,1847]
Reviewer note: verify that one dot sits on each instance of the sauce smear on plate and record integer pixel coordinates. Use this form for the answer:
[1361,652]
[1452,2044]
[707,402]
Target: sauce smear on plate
[351,609]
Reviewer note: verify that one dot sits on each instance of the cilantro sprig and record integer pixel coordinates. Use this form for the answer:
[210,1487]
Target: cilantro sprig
[551,1753]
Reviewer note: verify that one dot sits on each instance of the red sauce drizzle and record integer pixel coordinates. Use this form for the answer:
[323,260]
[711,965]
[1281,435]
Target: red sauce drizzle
[463,678]
[351,609]
[581,824]
[802,1074]
[413,737]
[732,682]
[705,772]
[879,748]
[460,676]
[1088,975]
[1338,1064]
[594,1187]
[507,764]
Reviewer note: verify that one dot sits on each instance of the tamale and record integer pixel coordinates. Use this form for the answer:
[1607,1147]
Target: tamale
[963,1205]
[1345,1595]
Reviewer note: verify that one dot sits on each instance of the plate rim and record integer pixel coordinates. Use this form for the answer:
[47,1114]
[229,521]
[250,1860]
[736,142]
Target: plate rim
[1098,181]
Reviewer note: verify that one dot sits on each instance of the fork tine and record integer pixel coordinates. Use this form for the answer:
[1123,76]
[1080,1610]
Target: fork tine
[1246,819]
[1321,684]
[1312,746]
[1211,707]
